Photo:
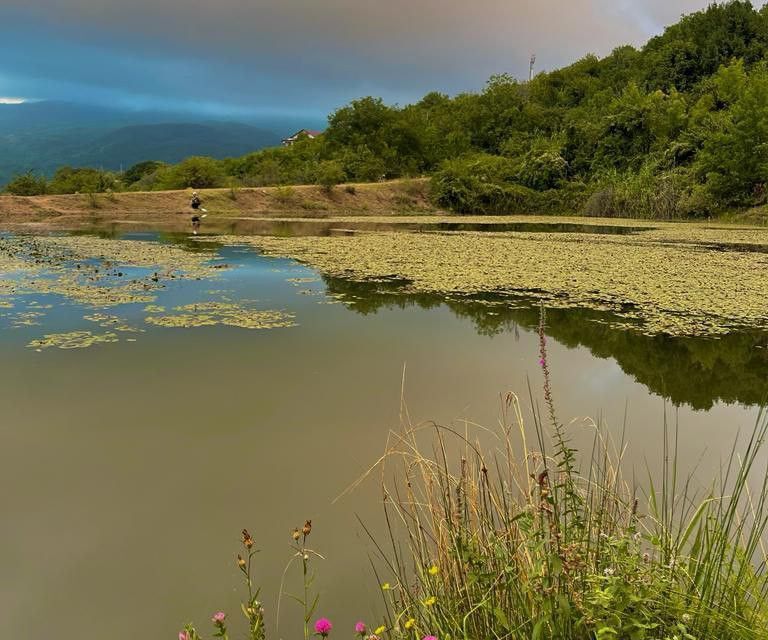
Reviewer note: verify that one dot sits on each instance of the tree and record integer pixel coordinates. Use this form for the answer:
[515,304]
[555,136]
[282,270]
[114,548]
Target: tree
[734,160]
[27,184]
[197,172]
[141,170]
[82,180]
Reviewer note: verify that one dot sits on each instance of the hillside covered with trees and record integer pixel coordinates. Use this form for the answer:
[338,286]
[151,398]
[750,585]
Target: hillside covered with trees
[677,128]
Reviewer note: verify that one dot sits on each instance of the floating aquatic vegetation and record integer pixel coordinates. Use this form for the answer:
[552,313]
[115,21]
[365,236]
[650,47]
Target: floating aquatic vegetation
[72,340]
[154,308]
[221,313]
[27,318]
[94,271]
[667,280]
[112,322]
[298,281]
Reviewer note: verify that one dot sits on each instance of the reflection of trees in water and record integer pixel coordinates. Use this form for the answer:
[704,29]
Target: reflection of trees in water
[694,371]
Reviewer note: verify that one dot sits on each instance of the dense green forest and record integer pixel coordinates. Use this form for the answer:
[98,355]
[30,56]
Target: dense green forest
[676,128]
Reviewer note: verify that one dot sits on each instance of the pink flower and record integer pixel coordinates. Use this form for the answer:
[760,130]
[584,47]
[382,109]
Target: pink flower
[542,362]
[183,635]
[429,638]
[323,627]
[218,617]
[360,628]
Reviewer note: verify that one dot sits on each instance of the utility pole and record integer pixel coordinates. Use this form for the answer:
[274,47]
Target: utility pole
[530,67]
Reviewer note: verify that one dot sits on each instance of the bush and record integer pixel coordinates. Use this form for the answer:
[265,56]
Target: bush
[197,172]
[141,170]
[485,184]
[329,174]
[646,193]
[284,195]
[27,184]
[82,180]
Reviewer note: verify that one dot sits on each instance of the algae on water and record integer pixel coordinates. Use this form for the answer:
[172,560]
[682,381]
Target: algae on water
[222,313]
[666,280]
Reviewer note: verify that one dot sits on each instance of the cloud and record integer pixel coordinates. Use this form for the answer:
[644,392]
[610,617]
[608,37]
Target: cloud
[314,54]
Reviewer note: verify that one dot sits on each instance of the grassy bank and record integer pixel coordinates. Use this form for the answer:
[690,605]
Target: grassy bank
[511,533]
[396,197]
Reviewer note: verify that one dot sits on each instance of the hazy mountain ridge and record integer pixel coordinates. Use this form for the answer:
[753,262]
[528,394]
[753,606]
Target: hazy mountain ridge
[43,136]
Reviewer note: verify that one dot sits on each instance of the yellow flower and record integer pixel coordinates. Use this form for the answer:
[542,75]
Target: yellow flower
[386,586]
[434,570]
[429,601]
[409,623]
[379,630]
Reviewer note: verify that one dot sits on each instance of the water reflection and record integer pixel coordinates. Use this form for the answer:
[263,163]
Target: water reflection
[331,227]
[130,468]
[698,372]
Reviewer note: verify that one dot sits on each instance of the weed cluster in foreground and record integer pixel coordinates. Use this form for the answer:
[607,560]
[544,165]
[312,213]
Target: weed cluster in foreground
[515,543]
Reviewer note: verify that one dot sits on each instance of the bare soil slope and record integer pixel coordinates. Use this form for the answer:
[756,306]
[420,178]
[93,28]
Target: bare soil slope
[397,197]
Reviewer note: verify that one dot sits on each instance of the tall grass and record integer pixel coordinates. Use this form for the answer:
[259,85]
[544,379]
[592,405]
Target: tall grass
[519,542]
[513,534]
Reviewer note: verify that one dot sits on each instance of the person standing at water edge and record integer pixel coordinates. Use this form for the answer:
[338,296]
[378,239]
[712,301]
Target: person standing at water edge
[196,204]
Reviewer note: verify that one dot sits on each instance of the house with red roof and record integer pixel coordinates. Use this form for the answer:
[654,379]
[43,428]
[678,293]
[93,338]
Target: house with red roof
[302,133]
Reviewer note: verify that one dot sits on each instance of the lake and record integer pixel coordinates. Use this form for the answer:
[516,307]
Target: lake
[252,393]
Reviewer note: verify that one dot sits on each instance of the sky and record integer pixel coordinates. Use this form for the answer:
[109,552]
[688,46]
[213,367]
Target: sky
[298,57]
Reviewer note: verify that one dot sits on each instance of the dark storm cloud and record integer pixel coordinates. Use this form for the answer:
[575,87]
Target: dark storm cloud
[301,54]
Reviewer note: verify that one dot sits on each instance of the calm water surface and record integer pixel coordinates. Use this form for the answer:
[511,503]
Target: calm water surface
[128,469]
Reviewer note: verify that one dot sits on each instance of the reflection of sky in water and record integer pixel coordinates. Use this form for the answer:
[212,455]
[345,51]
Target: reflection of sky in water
[142,461]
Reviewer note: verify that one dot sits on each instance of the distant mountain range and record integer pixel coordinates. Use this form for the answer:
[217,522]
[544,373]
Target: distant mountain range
[42,136]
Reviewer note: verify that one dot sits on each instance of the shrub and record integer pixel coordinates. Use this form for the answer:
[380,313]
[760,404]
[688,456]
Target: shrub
[138,171]
[284,195]
[329,174]
[197,172]
[234,189]
[350,189]
[82,180]
[27,184]
[485,184]
[646,193]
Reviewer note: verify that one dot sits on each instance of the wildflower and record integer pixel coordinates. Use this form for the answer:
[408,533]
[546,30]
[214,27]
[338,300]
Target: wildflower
[296,534]
[542,362]
[686,618]
[240,561]
[247,540]
[360,628]
[434,570]
[323,627]
[307,528]
[409,623]
[429,601]
[608,571]
[386,586]
[379,630]
[184,635]
[429,638]
[218,617]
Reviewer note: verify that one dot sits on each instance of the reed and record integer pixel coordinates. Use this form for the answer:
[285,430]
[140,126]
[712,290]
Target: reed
[507,540]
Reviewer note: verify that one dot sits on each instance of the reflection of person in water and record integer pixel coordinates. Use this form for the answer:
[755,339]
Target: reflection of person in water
[196,204]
